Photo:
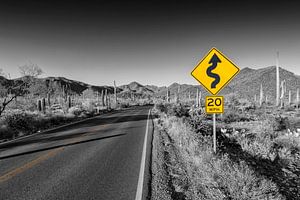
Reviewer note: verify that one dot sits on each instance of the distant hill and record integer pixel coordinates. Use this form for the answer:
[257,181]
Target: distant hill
[248,81]
[137,89]
[245,85]
[54,85]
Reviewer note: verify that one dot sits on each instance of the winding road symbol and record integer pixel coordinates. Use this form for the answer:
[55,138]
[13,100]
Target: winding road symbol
[215,71]
[214,61]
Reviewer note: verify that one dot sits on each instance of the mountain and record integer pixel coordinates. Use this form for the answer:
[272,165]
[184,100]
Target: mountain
[137,89]
[247,82]
[245,85]
[56,85]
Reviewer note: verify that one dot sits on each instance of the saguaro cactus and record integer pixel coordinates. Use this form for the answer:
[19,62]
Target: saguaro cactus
[198,98]
[43,105]
[290,97]
[115,91]
[261,95]
[283,90]
[105,98]
[63,92]
[97,93]
[102,98]
[48,99]
[69,102]
[168,95]
[108,102]
[297,98]
[277,81]
[178,94]
[39,105]
[132,96]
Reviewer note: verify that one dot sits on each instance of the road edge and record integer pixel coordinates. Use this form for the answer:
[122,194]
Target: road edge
[140,186]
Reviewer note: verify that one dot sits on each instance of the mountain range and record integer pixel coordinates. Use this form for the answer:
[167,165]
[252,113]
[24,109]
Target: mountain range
[245,85]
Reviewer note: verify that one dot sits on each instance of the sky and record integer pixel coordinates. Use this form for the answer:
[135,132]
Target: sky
[151,42]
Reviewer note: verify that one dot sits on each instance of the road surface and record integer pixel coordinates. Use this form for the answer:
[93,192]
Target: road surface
[101,158]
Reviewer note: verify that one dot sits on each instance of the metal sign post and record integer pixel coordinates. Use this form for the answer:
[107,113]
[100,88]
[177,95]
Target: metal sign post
[214,133]
[214,72]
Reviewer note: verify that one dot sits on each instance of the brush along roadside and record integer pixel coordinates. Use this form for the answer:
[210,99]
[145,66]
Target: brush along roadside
[193,171]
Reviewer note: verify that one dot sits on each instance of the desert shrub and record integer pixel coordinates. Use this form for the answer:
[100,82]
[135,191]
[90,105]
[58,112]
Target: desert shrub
[75,110]
[279,123]
[20,122]
[124,105]
[200,124]
[257,139]
[161,107]
[290,108]
[288,141]
[259,147]
[57,120]
[88,105]
[288,148]
[234,116]
[220,178]
[211,176]
[232,100]
[178,110]
[6,133]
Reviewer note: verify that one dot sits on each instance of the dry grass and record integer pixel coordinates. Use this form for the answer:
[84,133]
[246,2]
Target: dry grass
[213,176]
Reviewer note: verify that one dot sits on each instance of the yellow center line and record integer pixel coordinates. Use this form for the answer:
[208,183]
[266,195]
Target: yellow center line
[43,157]
[29,165]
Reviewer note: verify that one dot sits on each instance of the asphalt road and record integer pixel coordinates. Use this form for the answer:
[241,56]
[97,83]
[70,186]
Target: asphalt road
[100,158]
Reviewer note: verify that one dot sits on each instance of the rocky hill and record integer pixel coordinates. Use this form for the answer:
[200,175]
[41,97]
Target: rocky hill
[245,85]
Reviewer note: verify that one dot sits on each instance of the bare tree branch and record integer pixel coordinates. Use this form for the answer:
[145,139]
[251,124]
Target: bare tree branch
[31,70]
[11,89]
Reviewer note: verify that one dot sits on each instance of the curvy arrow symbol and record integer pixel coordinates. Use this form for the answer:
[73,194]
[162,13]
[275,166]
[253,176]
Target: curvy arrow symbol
[214,61]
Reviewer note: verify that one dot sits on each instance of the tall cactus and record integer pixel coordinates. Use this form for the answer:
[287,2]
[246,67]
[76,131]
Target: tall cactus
[283,90]
[297,98]
[106,98]
[63,92]
[39,105]
[97,93]
[277,81]
[102,98]
[115,91]
[132,96]
[69,101]
[261,95]
[198,98]
[108,102]
[43,105]
[48,99]
[290,97]
[178,94]
[168,95]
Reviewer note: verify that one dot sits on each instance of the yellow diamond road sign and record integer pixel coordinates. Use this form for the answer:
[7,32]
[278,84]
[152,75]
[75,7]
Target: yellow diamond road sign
[215,71]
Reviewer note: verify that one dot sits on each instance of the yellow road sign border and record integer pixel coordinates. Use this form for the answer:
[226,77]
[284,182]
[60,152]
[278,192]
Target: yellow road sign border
[222,97]
[214,48]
